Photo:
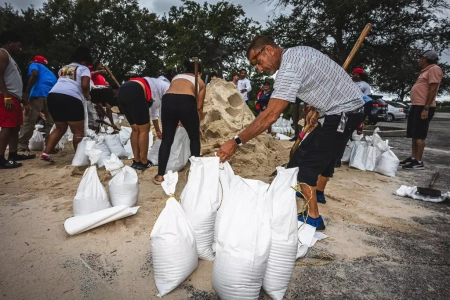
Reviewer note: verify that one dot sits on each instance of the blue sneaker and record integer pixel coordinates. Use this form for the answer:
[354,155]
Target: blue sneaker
[318,223]
[320,198]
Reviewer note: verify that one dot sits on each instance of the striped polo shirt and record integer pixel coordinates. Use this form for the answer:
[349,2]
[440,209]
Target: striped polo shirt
[308,74]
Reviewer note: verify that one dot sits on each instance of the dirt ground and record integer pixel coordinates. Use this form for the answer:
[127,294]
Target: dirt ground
[380,246]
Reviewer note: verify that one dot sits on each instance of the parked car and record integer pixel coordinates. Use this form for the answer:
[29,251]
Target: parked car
[395,111]
[405,105]
[379,110]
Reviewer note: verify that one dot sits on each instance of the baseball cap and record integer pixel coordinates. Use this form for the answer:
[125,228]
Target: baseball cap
[40,59]
[358,71]
[429,54]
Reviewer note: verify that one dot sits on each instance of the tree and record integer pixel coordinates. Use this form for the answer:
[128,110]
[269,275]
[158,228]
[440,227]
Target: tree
[216,33]
[400,29]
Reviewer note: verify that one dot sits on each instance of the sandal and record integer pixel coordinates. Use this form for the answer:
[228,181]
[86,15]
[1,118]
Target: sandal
[21,157]
[156,181]
[9,164]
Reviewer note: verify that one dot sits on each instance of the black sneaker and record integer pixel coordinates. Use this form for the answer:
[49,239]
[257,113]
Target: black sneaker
[9,164]
[406,161]
[414,165]
[134,164]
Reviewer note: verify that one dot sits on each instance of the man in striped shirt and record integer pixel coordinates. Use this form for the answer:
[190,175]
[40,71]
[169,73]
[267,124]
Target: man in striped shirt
[305,73]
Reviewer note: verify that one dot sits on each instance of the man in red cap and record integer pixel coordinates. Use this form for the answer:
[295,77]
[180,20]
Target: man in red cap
[357,75]
[40,83]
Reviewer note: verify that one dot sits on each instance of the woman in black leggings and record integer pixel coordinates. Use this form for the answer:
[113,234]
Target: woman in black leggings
[179,105]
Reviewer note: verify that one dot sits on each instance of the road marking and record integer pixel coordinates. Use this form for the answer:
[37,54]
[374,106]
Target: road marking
[437,150]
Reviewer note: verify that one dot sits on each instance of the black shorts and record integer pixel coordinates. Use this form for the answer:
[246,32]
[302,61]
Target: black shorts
[65,108]
[418,128]
[318,152]
[102,95]
[133,103]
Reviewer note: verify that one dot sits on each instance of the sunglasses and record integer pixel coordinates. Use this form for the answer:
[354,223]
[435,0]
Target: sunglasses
[254,60]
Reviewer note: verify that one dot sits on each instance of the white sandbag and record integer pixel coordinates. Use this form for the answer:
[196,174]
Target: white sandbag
[114,145]
[226,175]
[153,152]
[180,151]
[387,164]
[125,134]
[81,159]
[244,241]
[123,188]
[150,140]
[200,201]
[347,152]
[86,116]
[411,192]
[91,195]
[129,149]
[358,155]
[76,225]
[37,141]
[106,154]
[283,206]
[357,137]
[283,137]
[172,242]
[373,154]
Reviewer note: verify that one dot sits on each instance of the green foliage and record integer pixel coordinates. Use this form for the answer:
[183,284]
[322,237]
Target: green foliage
[401,29]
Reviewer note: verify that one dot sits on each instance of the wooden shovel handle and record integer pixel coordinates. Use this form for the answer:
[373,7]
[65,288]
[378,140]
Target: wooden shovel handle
[433,180]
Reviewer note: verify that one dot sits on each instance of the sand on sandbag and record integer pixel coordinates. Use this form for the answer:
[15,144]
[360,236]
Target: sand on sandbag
[225,115]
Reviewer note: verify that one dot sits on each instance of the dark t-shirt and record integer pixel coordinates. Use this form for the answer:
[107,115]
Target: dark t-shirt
[263,99]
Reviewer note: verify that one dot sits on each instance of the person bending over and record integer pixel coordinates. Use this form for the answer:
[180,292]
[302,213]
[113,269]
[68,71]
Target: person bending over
[179,105]
[136,97]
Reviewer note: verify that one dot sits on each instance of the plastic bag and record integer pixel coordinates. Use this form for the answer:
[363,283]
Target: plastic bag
[358,155]
[387,164]
[244,241]
[36,143]
[81,159]
[282,203]
[114,145]
[91,195]
[226,175]
[172,242]
[123,188]
[200,201]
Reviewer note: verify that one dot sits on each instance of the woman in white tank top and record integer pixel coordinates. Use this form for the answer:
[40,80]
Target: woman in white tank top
[179,104]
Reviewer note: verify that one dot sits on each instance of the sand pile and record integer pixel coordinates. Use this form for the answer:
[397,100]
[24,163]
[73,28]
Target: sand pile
[225,114]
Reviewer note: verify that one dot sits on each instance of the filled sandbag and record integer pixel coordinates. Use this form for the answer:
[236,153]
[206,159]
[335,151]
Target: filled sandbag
[387,164]
[179,152]
[106,154]
[200,200]
[153,152]
[123,188]
[81,159]
[226,175]
[114,145]
[91,195]
[358,155]
[244,241]
[172,241]
[347,152]
[37,141]
[283,251]
[373,154]
[125,134]
[129,149]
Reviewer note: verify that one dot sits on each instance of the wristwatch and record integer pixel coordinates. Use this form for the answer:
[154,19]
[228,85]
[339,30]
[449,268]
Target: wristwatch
[426,108]
[238,141]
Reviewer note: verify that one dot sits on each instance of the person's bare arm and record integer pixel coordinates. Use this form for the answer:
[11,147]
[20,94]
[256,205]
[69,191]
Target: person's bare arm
[258,126]
[4,60]
[109,115]
[31,82]
[201,101]
[432,92]
[86,86]
[157,128]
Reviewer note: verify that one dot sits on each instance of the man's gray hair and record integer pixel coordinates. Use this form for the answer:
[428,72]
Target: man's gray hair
[259,42]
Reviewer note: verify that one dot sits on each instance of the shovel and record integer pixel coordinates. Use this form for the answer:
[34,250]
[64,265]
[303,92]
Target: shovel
[429,191]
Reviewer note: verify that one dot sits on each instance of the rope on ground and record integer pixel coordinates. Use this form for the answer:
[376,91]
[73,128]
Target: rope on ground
[322,259]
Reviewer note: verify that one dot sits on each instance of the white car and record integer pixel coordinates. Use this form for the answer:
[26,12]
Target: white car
[394,113]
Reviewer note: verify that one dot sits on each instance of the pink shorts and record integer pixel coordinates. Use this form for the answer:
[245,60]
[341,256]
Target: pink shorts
[11,118]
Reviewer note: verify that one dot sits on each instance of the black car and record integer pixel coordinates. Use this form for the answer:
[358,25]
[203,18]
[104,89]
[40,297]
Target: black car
[379,110]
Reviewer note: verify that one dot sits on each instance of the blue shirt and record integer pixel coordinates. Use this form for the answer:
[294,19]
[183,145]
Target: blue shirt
[264,98]
[46,80]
